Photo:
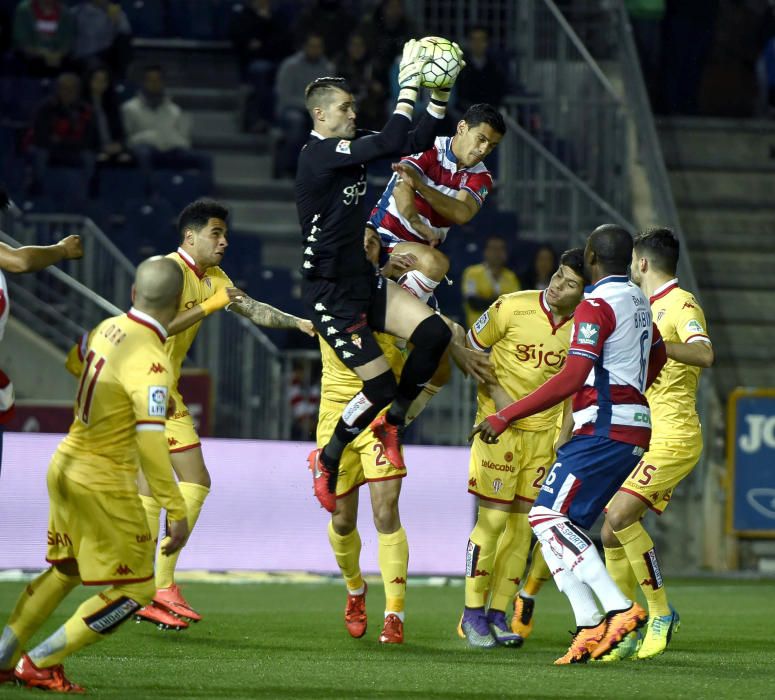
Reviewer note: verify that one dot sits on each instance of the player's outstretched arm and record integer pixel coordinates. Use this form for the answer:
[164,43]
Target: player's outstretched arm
[31,258]
[403,193]
[459,209]
[185,319]
[268,316]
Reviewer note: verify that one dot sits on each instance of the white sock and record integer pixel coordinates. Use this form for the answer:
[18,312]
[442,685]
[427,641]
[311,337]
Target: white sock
[357,591]
[578,593]
[399,615]
[591,570]
[418,284]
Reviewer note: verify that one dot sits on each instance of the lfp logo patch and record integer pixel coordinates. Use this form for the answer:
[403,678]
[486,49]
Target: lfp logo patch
[588,334]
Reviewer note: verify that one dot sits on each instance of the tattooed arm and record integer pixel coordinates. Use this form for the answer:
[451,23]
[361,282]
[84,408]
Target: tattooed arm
[268,316]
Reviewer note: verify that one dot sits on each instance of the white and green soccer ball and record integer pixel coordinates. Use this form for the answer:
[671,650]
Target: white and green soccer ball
[444,64]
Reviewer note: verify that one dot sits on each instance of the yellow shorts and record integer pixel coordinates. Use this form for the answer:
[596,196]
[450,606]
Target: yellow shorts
[363,459]
[665,464]
[513,468]
[180,431]
[106,532]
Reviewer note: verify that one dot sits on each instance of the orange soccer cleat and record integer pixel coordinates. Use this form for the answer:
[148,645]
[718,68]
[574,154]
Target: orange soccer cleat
[160,617]
[172,599]
[585,641]
[322,478]
[393,631]
[355,614]
[53,678]
[620,624]
[390,437]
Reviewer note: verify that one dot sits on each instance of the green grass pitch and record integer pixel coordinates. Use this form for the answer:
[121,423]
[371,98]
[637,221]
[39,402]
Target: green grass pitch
[289,641]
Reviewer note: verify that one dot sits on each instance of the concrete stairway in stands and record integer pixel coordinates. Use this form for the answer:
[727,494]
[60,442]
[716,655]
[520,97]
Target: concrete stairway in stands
[723,178]
[203,80]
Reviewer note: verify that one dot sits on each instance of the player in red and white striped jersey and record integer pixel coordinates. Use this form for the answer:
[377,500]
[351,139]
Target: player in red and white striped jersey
[616,353]
[433,190]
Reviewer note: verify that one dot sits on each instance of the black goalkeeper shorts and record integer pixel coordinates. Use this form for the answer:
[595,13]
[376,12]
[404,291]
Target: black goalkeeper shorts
[345,312]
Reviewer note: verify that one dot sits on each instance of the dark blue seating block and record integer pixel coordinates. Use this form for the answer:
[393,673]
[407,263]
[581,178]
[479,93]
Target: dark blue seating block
[149,224]
[145,16]
[65,186]
[117,185]
[181,188]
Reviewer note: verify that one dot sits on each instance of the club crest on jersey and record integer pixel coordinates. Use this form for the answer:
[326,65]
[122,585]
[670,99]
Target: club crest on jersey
[588,333]
[157,401]
[343,147]
[355,339]
[483,320]
[497,485]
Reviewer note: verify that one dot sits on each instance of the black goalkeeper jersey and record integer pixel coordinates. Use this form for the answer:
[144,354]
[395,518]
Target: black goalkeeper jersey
[331,187]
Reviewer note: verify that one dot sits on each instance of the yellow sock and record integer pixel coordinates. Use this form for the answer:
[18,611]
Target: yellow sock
[618,566]
[97,616]
[37,601]
[538,574]
[347,551]
[194,495]
[393,556]
[480,555]
[643,559]
[510,559]
[152,510]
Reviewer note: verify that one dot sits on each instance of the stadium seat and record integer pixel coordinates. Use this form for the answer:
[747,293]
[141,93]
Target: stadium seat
[20,97]
[117,185]
[148,225]
[192,19]
[181,188]
[145,16]
[243,261]
[65,185]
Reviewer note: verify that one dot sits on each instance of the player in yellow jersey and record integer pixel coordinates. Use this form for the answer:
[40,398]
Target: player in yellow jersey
[676,437]
[98,534]
[364,461]
[528,334]
[202,227]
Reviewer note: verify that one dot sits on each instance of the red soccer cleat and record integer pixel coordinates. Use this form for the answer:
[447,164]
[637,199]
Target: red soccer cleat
[393,631]
[321,479]
[7,676]
[390,437]
[355,614]
[160,617]
[27,673]
[172,599]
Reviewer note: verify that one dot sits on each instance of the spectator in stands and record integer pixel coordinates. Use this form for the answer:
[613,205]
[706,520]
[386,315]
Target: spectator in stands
[43,33]
[646,20]
[483,79]
[327,18]
[304,400]
[102,33]
[258,33]
[485,282]
[107,116]
[687,39]
[64,131]
[295,73]
[729,87]
[159,131]
[356,67]
[544,266]
[386,30]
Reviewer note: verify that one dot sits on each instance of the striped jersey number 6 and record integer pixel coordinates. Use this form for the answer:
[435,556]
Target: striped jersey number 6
[644,337]
[88,381]
[552,474]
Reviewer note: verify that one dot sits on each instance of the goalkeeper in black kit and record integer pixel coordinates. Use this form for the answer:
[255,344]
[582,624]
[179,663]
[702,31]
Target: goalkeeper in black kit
[345,297]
